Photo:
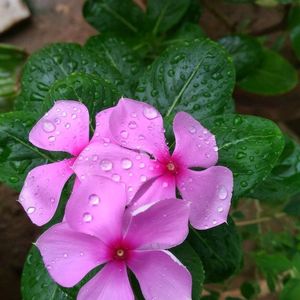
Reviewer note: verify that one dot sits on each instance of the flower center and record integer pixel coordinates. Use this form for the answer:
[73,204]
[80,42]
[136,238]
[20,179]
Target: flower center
[171,167]
[120,254]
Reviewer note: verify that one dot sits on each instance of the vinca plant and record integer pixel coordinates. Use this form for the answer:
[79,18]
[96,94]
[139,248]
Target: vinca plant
[130,156]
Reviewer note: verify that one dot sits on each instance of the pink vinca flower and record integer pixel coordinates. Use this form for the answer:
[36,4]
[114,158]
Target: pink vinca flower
[139,126]
[65,127]
[96,232]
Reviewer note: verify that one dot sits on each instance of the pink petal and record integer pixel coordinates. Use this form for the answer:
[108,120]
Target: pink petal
[138,125]
[102,132]
[97,207]
[161,276]
[191,136]
[65,127]
[117,163]
[42,189]
[111,283]
[210,194]
[69,255]
[161,226]
[163,187]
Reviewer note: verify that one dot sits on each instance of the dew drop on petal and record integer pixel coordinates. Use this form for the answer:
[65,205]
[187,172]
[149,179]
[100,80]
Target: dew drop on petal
[141,137]
[48,126]
[124,134]
[64,114]
[106,165]
[220,209]
[65,255]
[142,165]
[165,184]
[214,222]
[95,157]
[216,149]
[87,217]
[94,199]
[68,125]
[150,113]
[143,178]
[52,138]
[132,125]
[81,253]
[30,210]
[74,116]
[126,164]
[116,177]
[222,192]
[192,129]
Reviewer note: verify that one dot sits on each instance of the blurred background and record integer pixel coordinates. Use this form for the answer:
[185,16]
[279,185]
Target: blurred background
[61,20]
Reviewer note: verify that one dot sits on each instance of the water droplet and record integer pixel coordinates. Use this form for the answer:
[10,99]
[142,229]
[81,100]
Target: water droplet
[87,217]
[116,177]
[124,134]
[192,129]
[95,157]
[134,115]
[48,126]
[132,125]
[64,114]
[30,210]
[74,116]
[150,113]
[214,222]
[143,178]
[94,199]
[51,138]
[165,184]
[57,121]
[65,255]
[142,165]
[130,189]
[106,165]
[68,125]
[81,253]
[220,209]
[126,164]
[216,149]
[222,192]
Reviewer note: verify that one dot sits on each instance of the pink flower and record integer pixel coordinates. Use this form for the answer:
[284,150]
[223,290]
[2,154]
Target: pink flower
[65,127]
[139,126]
[97,232]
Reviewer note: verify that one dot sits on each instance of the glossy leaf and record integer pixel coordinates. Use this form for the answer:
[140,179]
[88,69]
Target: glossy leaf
[196,77]
[56,62]
[219,249]
[274,76]
[121,17]
[295,38]
[163,15]
[188,257]
[119,54]
[245,51]
[250,146]
[17,155]
[291,290]
[283,182]
[96,93]
[11,62]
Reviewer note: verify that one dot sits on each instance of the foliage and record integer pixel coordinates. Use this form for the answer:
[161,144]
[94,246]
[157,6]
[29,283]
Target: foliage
[160,55]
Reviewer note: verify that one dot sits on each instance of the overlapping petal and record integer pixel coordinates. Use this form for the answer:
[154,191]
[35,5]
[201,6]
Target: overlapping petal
[161,276]
[110,283]
[65,127]
[42,189]
[162,225]
[96,207]
[117,163]
[210,194]
[70,255]
[138,125]
[195,145]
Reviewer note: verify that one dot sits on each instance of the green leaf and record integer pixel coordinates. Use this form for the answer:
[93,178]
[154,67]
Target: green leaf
[250,290]
[295,38]
[121,17]
[193,12]
[91,90]
[245,51]
[274,76]
[17,155]
[196,77]
[36,282]
[11,62]
[283,182]
[189,258]
[250,146]
[119,54]
[291,290]
[292,208]
[56,62]
[294,17]
[163,15]
[219,249]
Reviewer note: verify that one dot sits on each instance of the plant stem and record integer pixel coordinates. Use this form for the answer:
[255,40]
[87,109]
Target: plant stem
[261,220]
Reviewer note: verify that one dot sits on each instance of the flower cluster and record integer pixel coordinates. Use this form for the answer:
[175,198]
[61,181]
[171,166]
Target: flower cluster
[124,210]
